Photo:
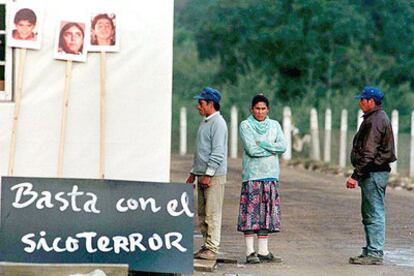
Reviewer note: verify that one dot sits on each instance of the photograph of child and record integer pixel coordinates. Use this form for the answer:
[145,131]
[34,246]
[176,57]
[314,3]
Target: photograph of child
[104,35]
[70,42]
[25,23]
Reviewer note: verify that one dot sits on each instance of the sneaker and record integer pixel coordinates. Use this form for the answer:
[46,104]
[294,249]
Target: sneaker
[366,260]
[207,254]
[269,258]
[252,259]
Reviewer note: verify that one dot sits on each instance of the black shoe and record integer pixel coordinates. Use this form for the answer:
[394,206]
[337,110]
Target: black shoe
[366,260]
[269,258]
[252,259]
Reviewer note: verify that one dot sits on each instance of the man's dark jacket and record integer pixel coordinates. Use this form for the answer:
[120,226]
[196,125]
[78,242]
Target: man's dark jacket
[373,145]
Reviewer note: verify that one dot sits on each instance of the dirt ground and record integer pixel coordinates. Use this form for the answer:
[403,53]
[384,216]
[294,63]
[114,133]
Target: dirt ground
[321,226]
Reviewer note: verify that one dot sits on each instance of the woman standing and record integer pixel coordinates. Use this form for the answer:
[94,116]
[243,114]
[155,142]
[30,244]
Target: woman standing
[259,211]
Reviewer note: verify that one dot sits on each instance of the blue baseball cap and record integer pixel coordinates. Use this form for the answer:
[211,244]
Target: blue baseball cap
[370,92]
[209,94]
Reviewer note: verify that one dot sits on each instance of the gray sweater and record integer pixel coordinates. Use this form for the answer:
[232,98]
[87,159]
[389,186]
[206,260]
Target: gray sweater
[210,157]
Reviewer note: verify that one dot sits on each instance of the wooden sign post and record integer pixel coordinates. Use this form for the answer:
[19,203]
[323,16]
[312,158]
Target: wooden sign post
[19,92]
[68,76]
[102,117]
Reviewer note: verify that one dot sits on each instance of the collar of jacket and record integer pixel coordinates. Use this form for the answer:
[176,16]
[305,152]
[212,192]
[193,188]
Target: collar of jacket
[375,109]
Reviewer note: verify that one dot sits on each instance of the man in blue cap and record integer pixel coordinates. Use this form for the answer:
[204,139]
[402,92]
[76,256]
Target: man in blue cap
[372,152]
[210,170]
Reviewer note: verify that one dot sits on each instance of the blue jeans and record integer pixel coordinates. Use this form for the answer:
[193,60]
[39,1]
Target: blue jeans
[373,212]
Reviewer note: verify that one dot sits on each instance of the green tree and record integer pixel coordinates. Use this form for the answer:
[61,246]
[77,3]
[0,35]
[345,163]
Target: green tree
[303,53]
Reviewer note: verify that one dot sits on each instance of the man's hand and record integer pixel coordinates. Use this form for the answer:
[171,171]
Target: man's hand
[205,181]
[190,179]
[351,183]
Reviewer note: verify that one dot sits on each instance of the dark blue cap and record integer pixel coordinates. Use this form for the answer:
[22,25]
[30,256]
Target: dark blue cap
[209,94]
[370,92]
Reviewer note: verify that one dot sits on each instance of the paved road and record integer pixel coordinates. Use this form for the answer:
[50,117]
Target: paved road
[321,226]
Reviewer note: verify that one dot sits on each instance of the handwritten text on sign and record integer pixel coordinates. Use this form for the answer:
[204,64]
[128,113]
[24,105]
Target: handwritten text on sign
[102,220]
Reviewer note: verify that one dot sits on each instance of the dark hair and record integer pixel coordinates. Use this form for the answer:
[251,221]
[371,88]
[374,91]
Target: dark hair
[260,98]
[377,102]
[25,14]
[216,105]
[102,16]
[69,25]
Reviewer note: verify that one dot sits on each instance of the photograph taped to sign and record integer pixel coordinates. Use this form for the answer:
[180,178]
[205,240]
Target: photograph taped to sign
[26,25]
[147,225]
[71,40]
[104,32]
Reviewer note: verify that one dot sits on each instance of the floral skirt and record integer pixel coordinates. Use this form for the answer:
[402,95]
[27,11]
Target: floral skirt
[259,206]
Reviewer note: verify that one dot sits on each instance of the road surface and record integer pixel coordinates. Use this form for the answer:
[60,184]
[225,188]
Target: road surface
[321,226]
